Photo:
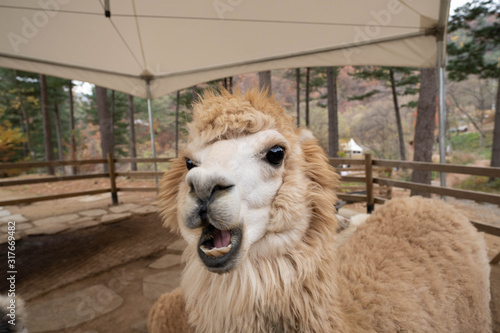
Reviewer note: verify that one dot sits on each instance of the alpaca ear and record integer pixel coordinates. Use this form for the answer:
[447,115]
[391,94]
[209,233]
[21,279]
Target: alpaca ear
[318,167]
[169,191]
[304,134]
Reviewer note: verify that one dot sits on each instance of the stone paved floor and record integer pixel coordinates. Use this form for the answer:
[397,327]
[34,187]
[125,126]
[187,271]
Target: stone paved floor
[85,309]
[69,222]
[82,310]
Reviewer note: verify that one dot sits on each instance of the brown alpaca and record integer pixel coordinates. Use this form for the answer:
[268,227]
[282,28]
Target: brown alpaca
[253,197]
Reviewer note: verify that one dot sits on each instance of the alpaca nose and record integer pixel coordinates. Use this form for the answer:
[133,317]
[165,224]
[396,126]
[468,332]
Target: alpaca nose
[206,183]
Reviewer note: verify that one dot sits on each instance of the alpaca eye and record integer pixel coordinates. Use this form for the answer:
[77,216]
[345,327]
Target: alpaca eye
[189,164]
[275,155]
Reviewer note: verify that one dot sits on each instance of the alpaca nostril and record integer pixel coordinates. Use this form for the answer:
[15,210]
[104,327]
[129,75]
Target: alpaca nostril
[218,188]
[204,184]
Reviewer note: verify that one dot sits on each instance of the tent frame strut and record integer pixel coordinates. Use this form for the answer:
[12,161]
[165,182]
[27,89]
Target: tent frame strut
[444,8]
[151,130]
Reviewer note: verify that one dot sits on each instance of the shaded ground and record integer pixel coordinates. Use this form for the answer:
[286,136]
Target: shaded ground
[68,257]
[115,256]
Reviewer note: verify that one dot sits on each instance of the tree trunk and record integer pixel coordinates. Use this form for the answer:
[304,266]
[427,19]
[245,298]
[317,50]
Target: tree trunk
[46,124]
[23,130]
[231,84]
[24,116]
[113,116]
[308,74]
[402,153]
[74,168]
[133,152]
[178,97]
[58,134]
[105,123]
[495,151]
[333,121]
[297,77]
[195,95]
[265,82]
[424,128]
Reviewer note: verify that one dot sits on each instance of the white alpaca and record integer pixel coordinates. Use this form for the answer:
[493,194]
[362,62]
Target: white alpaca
[253,197]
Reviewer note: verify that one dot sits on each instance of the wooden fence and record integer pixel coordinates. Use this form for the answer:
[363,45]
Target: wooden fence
[111,174]
[369,180]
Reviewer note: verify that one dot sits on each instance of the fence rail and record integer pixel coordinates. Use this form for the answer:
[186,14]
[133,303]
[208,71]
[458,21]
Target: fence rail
[366,165]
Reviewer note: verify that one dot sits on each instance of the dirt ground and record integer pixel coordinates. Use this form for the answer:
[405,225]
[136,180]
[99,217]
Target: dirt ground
[57,265]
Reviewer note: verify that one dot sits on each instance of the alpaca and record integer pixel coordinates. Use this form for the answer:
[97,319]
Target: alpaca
[253,196]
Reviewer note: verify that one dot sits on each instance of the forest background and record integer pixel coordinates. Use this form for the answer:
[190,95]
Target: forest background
[367,98]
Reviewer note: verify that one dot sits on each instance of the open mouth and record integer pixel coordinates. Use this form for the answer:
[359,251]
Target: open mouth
[218,248]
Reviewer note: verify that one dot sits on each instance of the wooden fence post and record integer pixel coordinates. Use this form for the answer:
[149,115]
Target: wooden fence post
[112,178]
[370,201]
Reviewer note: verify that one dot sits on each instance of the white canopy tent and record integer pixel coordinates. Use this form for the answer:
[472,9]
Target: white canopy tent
[352,148]
[150,48]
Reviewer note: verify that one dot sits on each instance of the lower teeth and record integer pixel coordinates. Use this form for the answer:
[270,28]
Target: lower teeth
[216,252]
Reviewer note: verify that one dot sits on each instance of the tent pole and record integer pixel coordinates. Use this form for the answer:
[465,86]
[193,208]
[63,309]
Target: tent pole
[442,121]
[444,9]
[151,131]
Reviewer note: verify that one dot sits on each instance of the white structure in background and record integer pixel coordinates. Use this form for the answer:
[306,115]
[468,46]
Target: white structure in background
[352,149]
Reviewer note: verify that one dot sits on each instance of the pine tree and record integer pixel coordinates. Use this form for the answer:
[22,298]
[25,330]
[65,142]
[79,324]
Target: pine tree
[477,51]
[424,128]
[265,81]
[47,133]
[405,81]
[333,119]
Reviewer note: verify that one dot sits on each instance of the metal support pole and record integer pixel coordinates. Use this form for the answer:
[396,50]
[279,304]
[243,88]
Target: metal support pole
[151,131]
[444,8]
[442,121]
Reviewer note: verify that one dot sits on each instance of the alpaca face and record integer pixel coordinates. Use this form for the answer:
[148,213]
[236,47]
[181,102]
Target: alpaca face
[228,195]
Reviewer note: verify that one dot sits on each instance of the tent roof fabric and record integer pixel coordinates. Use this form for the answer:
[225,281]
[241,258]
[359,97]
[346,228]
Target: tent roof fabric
[176,44]
[353,146]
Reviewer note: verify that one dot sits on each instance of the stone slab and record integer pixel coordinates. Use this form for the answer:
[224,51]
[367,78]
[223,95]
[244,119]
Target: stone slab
[123,208]
[155,285]
[54,220]
[72,309]
[85,224]
[21,226]
[179,245]
[144,210]
[140,327]
[93,212]
[47,230]
[5,237]
[4,212]
[112,218]
[16,217]
[81,220]
[166,261]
